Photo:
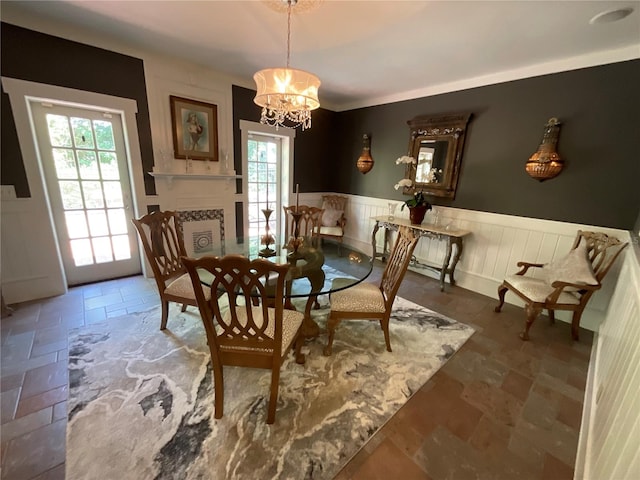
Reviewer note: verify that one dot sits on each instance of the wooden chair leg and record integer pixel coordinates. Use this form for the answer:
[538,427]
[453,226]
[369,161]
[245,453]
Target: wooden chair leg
[552,317]
[575,325]
[532,313]
[165,314]
[502,291]
[384,323]
[299,341]
[332,324]
[184,307]
[273,397]
[218,390]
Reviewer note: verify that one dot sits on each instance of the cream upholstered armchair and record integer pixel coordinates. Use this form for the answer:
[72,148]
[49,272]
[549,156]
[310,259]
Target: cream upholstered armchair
[333,220]
[564,284]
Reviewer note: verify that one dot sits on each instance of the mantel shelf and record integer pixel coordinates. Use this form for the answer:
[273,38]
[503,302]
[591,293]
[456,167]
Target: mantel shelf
[170,176]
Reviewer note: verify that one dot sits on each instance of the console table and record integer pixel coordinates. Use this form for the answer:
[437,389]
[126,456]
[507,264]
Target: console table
[451,236]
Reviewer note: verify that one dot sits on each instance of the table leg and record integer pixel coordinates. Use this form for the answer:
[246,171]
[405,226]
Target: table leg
[376,227]
[445,265]
[458,243]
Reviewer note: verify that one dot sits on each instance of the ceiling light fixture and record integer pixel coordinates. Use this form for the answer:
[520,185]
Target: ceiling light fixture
[286,94]
[611,15]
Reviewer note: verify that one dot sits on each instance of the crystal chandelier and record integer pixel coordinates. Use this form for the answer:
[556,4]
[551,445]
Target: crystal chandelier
[286,95]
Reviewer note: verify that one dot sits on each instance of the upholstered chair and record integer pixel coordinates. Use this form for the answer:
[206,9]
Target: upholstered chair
[564,284]
[369,301]
[239,332]
[333,217]
[163,244]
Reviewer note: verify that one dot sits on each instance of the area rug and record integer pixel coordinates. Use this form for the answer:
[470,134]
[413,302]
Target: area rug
[141,400]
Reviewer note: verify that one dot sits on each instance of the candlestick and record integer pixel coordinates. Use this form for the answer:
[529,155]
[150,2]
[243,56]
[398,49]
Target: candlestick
[267,239]
[267,193]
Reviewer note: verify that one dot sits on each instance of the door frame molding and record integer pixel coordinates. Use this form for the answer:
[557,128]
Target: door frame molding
[21,92]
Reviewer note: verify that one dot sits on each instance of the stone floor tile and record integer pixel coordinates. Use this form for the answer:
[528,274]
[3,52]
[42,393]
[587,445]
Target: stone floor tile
[517,385]
[102,301]
[37,402]
[560,440]
[9,404]
[36,452]
[556,469]
[56,473]
[46,348]
[463,418]
[389,462]
[540,411]
[570,412]
[26,424]
[494,402]
[60,411]
[9,382]
[21,367]
[47,377]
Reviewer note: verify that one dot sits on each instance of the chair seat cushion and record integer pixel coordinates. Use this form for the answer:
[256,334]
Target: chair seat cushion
[363,297]
[334,231]
[291,321]
[538,290]
[574,267]
[182,287]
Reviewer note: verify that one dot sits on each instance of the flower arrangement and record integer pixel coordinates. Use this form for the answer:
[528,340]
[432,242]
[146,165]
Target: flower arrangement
[418,199]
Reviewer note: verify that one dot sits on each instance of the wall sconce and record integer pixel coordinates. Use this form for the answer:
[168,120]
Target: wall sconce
[546,163]
[365,162]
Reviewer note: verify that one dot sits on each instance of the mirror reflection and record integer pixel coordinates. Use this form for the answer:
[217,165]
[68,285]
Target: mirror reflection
[436,143]
[431,161]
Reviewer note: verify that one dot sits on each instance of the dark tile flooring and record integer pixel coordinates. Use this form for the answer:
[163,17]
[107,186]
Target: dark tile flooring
[500,408]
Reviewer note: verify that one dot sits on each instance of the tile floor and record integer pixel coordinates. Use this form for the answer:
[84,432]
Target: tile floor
[500,408]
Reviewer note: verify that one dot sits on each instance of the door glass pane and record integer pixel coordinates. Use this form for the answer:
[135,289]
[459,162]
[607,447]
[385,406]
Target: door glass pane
[104,135]
[117,221]
[59,133]
[88,165]
[109,166]
[82,134]
[65,163]
[76,224]
[98,223]
[71,195]
[113,194]
[102,249]
[121,248]
[81,250]
[93,194]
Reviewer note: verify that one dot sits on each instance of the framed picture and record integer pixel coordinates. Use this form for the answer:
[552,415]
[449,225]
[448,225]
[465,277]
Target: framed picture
[195,129]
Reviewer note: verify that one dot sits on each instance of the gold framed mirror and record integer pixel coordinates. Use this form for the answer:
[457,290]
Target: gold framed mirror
[436,143]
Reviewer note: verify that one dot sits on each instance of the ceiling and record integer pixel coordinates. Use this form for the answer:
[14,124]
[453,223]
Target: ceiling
[365,52]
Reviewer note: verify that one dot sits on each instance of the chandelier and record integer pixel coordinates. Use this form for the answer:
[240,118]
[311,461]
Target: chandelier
[286,95]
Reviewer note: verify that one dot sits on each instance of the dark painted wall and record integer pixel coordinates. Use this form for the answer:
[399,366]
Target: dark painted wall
[599,140]
[37,57]
[315,149]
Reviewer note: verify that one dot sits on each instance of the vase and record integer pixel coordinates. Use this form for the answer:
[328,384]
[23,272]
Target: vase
[416,214]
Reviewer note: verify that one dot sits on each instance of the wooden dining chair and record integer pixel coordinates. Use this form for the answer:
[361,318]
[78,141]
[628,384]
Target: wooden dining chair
[308,225]
[370,301]
[163,244]
[565,284]
[239,332]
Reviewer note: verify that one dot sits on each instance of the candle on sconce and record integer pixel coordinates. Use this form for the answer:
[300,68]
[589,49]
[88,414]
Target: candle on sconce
[267,194]
[297,196]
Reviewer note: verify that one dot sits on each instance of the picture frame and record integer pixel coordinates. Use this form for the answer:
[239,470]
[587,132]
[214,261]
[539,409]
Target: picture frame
[194,126]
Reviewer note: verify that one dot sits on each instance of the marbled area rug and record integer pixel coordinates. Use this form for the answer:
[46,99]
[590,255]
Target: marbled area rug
[141,400]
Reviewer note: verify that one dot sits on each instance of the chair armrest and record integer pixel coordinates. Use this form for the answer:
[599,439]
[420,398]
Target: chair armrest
[560,286]
[524,266]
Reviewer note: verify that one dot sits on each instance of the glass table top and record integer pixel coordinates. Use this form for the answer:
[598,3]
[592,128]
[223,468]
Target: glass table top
[314,267]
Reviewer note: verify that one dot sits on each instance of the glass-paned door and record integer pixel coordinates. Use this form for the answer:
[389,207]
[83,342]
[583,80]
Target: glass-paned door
[84,161]
[263,188]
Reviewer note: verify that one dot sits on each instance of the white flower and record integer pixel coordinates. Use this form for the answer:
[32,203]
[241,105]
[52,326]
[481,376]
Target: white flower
[405,159]
[432,176]
[405,182]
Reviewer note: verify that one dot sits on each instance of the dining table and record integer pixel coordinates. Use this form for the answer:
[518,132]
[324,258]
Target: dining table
[314,265]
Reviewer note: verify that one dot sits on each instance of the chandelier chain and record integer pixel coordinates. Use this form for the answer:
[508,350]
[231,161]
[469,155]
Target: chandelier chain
[289,31]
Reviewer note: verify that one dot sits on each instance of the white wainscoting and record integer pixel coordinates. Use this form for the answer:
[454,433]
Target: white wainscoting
[491,252]
[609,445]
